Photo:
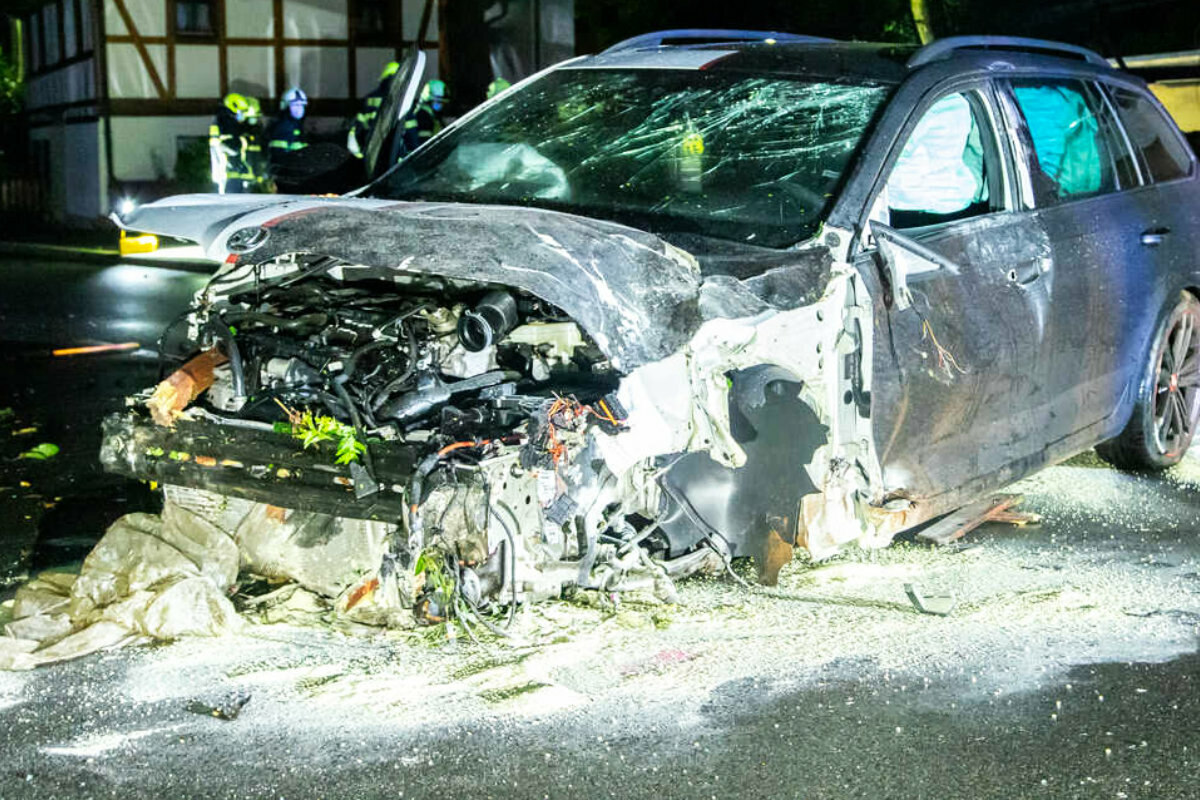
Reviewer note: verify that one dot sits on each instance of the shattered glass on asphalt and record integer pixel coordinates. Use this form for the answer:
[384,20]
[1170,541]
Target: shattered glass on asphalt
[754,159]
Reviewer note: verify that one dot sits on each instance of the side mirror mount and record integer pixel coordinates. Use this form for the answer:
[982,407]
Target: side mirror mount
[901,258]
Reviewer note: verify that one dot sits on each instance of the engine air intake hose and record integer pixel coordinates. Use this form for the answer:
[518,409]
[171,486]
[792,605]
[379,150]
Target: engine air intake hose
[488,322]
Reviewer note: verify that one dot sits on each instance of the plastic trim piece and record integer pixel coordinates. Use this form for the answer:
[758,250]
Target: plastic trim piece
[707,36]
[943,48]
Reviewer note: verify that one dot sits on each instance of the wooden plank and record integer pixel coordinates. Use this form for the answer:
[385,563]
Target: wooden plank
[957,524]
[261,41]
[222,51]
[280,65]
[171,19]
[198,106]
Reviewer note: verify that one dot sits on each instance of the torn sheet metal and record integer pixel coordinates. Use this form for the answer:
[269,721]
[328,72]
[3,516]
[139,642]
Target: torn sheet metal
[635,295]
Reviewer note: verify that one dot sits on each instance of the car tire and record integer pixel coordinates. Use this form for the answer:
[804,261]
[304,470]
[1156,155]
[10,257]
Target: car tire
[1168,400]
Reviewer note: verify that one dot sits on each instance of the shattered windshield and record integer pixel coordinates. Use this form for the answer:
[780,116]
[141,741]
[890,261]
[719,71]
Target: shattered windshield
[749,158]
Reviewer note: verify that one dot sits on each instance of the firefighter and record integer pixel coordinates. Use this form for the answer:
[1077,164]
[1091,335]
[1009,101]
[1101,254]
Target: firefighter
[496,87]
[426,119]
[287,130]
[360,131]
[252,133]
[228,146]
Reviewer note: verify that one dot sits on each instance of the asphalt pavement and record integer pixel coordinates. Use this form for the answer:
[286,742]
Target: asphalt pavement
[1068,669]
[48,302]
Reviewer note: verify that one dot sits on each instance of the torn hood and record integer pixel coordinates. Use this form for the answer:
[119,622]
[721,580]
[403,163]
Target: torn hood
[634,294]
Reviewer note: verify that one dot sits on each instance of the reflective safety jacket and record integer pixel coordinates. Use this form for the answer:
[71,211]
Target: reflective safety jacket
[230,148]
[252,133]
[286,134]
[360,131]
[420,126]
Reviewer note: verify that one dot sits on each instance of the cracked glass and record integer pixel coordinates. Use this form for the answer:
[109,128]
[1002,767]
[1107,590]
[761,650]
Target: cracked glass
[750,158]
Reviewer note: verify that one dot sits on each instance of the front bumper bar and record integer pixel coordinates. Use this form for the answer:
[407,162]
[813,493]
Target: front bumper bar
[263,466]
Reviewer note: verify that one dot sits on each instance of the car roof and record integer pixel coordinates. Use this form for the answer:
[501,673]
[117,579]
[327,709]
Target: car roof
[870,61]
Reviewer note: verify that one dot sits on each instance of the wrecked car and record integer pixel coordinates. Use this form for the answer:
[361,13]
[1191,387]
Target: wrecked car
[675,304]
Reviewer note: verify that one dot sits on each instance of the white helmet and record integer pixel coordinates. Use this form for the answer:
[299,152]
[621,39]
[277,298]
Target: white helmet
[293,95]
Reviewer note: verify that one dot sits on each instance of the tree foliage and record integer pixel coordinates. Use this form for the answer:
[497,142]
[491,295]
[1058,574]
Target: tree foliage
[600,23]
[12,90]
[1110,26]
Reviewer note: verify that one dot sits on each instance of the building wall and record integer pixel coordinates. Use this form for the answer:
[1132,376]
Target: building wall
[1182,99]
[255,47]
[60,39]
[135,64]
[166,85]
[64,105]
[144,148]
[76,185]
[1175,79]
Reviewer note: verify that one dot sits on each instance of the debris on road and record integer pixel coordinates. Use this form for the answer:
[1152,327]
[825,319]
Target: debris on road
[150,577]
[227,711]
[998,508]
[41,452]
[935,605]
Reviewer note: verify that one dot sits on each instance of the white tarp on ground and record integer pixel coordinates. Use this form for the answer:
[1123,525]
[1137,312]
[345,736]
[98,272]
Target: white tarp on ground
[164,577]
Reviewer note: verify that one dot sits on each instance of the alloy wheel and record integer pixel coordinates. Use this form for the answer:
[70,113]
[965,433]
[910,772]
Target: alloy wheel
[1177,389]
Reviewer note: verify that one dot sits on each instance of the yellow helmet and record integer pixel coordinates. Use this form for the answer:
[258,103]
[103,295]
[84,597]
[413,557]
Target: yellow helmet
[496,87]
[253,109]
[236,103]
[391,69]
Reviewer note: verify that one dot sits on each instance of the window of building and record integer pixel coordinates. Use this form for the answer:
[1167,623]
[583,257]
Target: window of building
[1071,156]
[70,35]
[375,22]
[85,27]
[1162,154]
[53,45]
[195,18]
[35,42]
[945,170]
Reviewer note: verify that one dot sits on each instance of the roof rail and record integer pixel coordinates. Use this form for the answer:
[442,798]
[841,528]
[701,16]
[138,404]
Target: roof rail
[941,48]
[707,36]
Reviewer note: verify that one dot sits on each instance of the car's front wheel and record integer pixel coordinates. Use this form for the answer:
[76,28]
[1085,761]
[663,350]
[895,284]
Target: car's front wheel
[1165,416]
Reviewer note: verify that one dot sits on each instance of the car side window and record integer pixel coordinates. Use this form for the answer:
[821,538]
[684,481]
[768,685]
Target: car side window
[1160,150]
[945,170]
[1071,157]
[1123,159]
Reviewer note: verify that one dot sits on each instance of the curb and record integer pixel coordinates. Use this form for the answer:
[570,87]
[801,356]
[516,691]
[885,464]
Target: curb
[102,256]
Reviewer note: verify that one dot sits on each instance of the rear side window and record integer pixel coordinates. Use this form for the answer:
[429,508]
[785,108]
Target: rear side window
[1072,155]
[1162,154]
[943,173]
[1124,161]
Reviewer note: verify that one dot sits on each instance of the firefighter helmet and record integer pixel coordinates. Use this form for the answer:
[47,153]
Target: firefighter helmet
[236,103]
[435,91]
[293,95]
[496,87]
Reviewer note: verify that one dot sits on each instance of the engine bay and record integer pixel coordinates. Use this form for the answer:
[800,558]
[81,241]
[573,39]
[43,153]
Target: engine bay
[492,398]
